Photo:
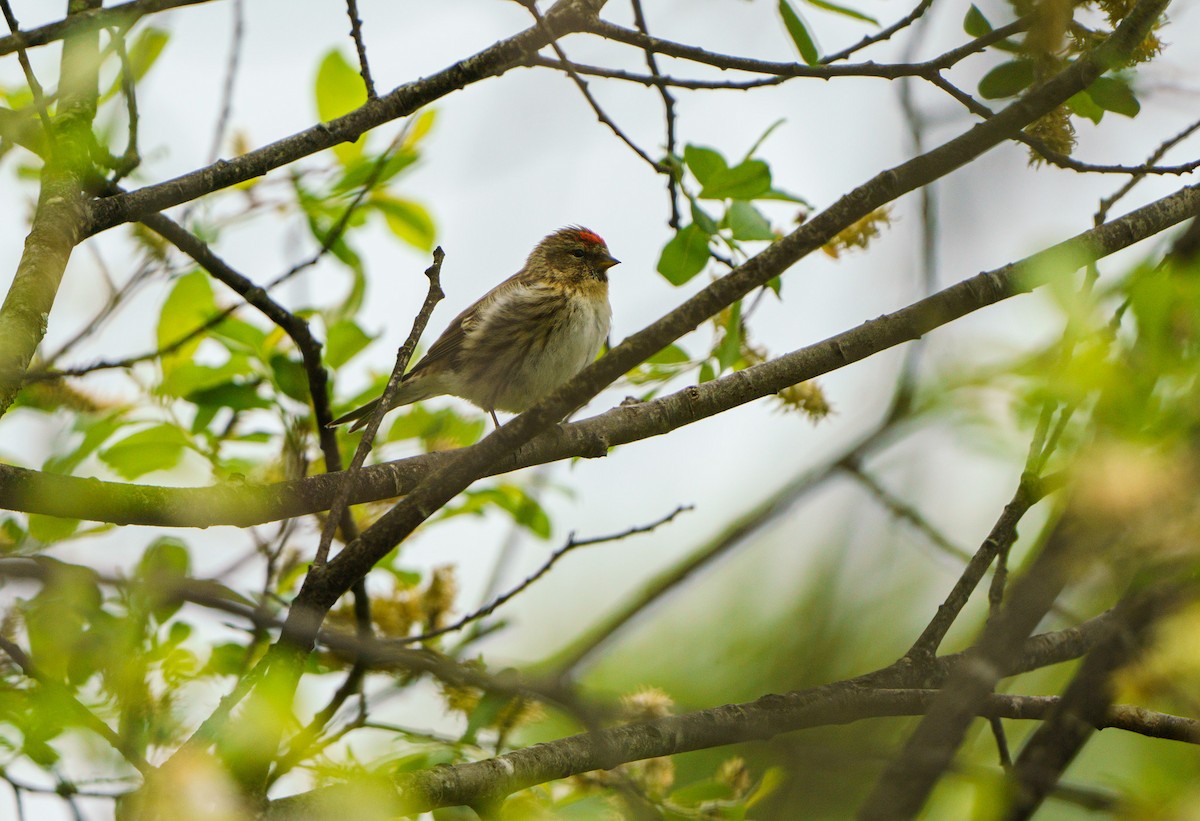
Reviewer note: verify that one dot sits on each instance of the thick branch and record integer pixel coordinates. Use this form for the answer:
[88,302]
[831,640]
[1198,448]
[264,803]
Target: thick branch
[60,217]
[564,17]
[482,782]
[246,504]
[121,16]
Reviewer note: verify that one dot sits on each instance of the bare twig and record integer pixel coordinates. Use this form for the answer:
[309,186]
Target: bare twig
[35,88]
[572,544]
[231,72]
[341,500]
[360,46]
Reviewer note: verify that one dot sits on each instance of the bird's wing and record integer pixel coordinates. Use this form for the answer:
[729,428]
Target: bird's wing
[449,345]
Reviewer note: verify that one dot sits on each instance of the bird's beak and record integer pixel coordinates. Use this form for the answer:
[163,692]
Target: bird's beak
[609,262]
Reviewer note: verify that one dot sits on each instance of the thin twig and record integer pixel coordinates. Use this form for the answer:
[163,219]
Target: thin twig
[35,88]
[130,159]
[885,34]
[571,544]
[231,72]
[639,18]
[360,46]
[342,499]
[569,67]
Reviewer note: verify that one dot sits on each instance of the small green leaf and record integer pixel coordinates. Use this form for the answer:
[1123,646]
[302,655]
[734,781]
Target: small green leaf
[843,10]
[703,162]
[1114,94]
[730,349]
[1007,79]
[239,336]
[167,556]
[359,171]
[685,255]
[227,659]
[50,529]
[339,89]
[189,305]
[238,396]
[145,51]
[1083,105]
[747,223]
[744,181]
[799,33]
[159,447]
[407,220]
[344,341]
[441,429]
[96,431]
[188,378]
[670,355]
[290,377]
[975,24]
[700,217]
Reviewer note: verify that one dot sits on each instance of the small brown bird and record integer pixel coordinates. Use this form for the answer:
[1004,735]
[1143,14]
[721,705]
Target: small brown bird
[524,338]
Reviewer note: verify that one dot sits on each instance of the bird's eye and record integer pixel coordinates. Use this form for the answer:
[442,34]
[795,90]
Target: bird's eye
[577,253]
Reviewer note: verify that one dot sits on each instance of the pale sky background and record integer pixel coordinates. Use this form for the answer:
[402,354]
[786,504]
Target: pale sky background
[515,157]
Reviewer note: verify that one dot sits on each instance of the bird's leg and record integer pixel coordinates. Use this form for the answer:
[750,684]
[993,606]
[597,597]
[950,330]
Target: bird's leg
[495,421]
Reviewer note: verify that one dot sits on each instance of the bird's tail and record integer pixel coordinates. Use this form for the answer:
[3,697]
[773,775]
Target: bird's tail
[410,390]
[358,416]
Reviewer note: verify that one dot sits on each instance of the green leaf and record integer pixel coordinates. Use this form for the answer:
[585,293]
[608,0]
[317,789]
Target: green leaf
[799,33]
[407,220]
[186,379]
[227,659]
[670,355]
[703,162]
[744,181]
[159,447]
[146,49]
[239,336]
[1114,94]
[165,563]
[189,305]
[290,377]
[975,24]
[747,223]
[1007,79]
[96,431]
[843,10]
[512,499]
[730,349]
[685,255]
[700,792]
[143,54]
[436,429]
[344,340]
[339,90]
[50,529]
[700,217]
[238,396]
[1083,105]
[359,171]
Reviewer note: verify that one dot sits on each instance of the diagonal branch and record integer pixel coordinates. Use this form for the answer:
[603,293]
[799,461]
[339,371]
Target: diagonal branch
[564,17]
[244,504]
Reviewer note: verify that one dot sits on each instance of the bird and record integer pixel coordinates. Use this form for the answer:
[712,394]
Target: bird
[522,339]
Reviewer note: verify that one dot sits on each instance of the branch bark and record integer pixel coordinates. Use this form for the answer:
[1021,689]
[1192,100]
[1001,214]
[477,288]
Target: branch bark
[243,504]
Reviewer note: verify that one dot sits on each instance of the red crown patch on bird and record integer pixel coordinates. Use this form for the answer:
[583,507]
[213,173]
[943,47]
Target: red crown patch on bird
[589,236]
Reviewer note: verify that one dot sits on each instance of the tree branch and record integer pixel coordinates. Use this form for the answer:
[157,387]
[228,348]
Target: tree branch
[245,504]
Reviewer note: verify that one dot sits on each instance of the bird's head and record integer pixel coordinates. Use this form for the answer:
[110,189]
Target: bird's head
[572,253]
